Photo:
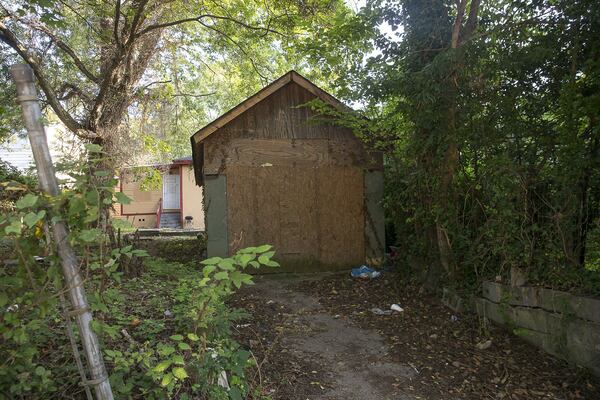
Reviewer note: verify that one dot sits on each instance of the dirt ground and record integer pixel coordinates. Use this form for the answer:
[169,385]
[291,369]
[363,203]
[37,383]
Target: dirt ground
[315,337]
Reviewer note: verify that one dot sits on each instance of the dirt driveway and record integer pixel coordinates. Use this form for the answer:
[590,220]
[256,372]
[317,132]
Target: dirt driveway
[315,337]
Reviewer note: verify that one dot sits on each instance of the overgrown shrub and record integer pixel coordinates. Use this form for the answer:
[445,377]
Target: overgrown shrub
[164,332]
[12,185]
[488,116]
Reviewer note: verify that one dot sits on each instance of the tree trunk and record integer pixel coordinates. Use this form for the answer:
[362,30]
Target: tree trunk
[585,215]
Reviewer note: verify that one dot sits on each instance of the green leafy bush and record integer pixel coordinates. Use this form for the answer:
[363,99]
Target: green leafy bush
[30,286]
[198,359]
[164,328]
[13,183]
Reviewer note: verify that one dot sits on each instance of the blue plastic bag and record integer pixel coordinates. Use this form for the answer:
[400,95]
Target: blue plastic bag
[364,272]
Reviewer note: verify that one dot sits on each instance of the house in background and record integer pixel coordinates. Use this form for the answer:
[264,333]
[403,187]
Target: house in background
[16,150]
[176,204]
[272,174]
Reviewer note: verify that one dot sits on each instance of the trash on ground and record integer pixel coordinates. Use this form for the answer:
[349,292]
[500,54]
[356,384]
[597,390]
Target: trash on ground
[415,368]
[396,307]
[484,345]
[168,313]
[222,380]
[364,272]
[453,318]
[379,311]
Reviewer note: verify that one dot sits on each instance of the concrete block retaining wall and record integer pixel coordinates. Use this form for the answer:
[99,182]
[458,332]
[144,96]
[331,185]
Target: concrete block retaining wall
[562,324]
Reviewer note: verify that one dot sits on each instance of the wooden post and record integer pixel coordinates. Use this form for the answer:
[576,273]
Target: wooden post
[27,98]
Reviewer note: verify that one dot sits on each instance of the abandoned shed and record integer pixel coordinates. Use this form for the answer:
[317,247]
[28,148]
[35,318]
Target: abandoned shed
[271,174]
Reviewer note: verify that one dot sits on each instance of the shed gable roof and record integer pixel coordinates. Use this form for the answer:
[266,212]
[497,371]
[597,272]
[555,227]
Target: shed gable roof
[267,91]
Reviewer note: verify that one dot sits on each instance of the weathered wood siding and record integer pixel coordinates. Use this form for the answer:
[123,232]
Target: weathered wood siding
[215,215]
[374,217]
[291,182]
[282,152]
[281,131]
[310,215]
[282,116]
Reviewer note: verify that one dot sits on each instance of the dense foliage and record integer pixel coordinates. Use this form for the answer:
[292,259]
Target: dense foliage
[142,75]
[10,121]
[488,114]
[164,326]
[12,185]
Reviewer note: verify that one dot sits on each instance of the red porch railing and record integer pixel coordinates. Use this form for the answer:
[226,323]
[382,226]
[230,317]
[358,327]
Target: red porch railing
[159,213]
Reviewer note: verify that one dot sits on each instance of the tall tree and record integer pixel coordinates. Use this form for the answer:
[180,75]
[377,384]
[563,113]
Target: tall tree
[488,113]
[430,59]
[93,60]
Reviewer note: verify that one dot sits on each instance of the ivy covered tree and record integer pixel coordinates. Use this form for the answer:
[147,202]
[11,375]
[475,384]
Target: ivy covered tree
[488,113]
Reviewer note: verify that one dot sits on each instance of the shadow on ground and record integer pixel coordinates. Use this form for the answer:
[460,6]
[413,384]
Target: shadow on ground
[314,337]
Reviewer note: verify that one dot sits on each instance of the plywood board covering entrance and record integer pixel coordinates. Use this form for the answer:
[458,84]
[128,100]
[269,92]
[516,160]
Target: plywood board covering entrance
[221,153]
[307,213]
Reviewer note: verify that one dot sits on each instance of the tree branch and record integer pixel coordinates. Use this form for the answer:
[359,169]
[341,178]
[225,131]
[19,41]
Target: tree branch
[136,20]
[199,18]
[9,38]
[461,5]
[472,21]
[68,90]
[140,90]
[154,83]
[182,94]
[244,52]
[114,62]
[537,19]
[116,22]
[60,44]
[64,47]
[119,71]
[81,17]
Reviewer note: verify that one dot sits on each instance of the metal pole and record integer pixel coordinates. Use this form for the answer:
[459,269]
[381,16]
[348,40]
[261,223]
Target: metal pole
[32,114]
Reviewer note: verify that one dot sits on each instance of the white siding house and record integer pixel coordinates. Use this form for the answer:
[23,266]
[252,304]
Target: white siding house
[17,150]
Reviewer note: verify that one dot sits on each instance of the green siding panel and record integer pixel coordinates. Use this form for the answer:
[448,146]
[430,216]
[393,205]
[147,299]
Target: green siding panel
[215,211]
[374,217]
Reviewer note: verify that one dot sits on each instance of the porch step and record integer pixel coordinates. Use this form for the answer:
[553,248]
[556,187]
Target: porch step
[170,220]
[150,233]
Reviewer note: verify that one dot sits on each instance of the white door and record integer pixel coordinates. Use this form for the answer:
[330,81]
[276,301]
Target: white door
[171,192]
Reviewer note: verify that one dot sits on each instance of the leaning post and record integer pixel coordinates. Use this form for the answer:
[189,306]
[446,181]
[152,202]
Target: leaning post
[32,114]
